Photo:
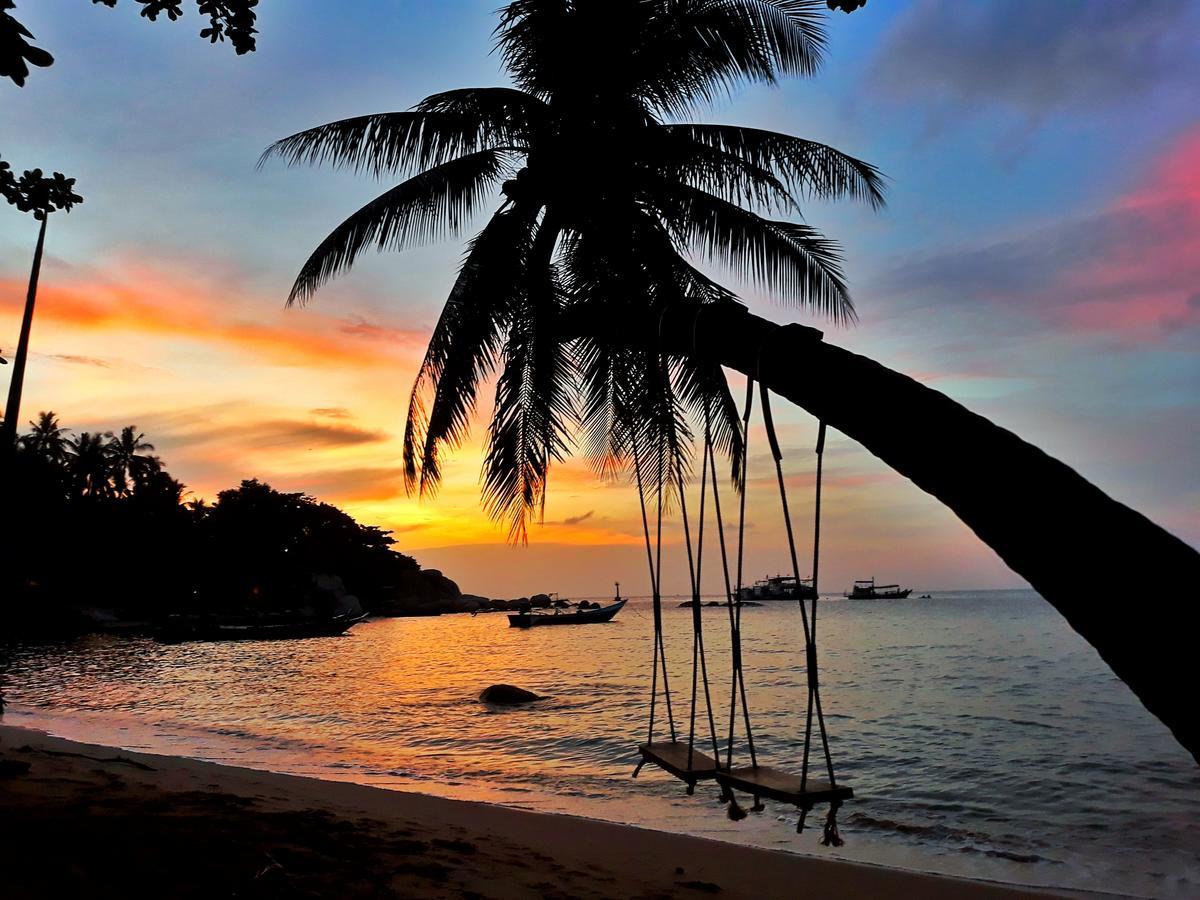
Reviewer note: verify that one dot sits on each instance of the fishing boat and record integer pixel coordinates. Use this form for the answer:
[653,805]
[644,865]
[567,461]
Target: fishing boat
[867,589]
[778,587]
[527,619]
[266,628]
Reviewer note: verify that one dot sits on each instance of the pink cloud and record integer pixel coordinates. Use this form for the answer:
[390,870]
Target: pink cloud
[1146,286]
[1132,269]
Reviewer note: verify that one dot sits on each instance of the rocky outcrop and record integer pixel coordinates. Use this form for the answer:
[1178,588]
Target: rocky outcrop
[423,592]
[427,592]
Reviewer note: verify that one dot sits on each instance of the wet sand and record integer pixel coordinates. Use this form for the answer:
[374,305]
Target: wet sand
[89,821]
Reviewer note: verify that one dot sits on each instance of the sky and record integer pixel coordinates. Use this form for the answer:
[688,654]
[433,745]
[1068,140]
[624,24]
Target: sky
[1038,261]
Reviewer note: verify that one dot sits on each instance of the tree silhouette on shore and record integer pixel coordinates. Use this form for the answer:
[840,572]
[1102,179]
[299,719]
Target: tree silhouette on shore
[139,547]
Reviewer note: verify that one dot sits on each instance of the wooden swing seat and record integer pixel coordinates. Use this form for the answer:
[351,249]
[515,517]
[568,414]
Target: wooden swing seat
[775,784]
[672,756]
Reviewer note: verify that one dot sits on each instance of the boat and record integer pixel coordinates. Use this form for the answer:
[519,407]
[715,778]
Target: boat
[778,587]
[867,589]
[267,628]
[528,619]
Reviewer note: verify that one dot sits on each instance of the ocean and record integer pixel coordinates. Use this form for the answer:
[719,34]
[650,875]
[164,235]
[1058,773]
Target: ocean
[981,735]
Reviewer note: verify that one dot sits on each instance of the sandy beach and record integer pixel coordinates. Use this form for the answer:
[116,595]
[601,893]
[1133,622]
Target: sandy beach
[85,820]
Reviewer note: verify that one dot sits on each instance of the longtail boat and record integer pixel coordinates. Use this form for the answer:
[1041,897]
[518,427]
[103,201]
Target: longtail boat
[527,619]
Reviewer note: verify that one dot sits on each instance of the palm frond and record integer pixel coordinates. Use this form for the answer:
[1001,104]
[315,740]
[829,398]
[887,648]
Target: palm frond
[695,52]
[791,32]
[396,143]
[436,203]
[657,421]
[709,167]
[607,420]
[669,278]
[463,348]
[794,260]
[534,412]
[600,443]
[703,386]
[814,168]
[506,116]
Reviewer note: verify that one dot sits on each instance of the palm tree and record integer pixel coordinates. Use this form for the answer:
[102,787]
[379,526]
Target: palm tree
[580,291]
[37,194]
[606,198]
[47,438]
[130,467]
[91,465]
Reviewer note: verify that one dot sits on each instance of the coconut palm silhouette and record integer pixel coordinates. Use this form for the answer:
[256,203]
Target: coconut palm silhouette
[90,465]
[47,438]
[131,466]
[582,294]
[33,193]
[605,200]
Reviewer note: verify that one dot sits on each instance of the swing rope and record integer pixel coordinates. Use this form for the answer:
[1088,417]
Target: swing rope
[738,681]
[660,650]
[830,836]
[699,665]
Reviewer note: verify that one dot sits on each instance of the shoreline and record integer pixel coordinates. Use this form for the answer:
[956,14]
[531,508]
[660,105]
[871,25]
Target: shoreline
[208,827]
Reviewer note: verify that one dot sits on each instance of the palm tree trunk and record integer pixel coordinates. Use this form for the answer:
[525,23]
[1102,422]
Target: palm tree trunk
[12,409]
[1126,585]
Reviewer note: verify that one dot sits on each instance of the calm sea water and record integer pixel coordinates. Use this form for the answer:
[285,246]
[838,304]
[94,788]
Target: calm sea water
[980,734]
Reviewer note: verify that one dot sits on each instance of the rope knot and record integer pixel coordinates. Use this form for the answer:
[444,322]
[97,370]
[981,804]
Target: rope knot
[829,834]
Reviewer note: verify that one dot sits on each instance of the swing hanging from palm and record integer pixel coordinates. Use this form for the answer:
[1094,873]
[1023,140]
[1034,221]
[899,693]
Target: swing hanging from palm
[679,755]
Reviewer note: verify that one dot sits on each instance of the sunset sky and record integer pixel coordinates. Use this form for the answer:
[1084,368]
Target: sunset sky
[1039,261]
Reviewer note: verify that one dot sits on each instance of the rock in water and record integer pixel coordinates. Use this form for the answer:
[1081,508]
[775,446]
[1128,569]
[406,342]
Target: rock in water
[507,695]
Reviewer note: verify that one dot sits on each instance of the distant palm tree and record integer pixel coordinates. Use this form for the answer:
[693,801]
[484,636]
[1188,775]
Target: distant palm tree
[606,205]
[90,464]
[33,193]
[130,467]
[47,438]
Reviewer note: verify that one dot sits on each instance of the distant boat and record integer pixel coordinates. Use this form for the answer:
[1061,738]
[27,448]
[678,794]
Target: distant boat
[270,628]
[867,589]
[778,587]
[527,619]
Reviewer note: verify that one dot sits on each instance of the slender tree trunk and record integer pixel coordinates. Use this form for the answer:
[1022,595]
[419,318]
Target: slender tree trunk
[1126,585]
[12,409]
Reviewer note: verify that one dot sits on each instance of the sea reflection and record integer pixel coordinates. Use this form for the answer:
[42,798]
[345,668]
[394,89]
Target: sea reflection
[980,734]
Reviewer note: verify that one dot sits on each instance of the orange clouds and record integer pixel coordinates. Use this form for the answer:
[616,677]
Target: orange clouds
[148,302]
